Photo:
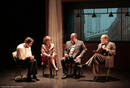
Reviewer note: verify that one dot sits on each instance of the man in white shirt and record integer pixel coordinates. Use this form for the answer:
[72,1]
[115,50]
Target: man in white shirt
[24,53]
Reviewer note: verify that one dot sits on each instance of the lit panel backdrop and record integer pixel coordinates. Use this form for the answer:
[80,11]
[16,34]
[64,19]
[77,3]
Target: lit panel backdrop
[117,26]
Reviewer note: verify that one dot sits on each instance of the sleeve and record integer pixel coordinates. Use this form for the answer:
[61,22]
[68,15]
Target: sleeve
[43,53]
[20,54]
[30,52]
[112,49]
[66,50]
[54,53]
[84,50]
[52,50]
[99,47]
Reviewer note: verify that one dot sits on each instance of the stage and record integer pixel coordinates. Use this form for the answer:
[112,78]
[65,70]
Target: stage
[118,79]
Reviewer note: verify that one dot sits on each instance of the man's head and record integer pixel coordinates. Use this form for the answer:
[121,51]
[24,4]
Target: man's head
[28,41]
[73,36]
[104,38]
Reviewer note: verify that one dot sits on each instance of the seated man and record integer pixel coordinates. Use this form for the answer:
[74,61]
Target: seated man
[24,54]
[104,54]
[74,51]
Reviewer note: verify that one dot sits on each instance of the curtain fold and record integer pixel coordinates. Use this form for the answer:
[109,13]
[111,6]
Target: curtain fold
[55,30]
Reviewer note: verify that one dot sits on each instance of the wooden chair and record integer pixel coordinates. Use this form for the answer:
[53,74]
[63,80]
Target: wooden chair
[50,66]
[107,69]
[105,74]
[71,67]
[20,68]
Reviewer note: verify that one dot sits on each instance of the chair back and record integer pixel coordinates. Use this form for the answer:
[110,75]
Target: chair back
[14,54]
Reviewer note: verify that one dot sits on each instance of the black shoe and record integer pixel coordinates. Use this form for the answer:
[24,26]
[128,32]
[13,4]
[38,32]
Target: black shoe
[84,65]
[76,77]
[64,77]
[51,76]
[35,77]
[30,80]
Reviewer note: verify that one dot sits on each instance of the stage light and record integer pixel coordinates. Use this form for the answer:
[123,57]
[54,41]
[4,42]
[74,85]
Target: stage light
[127,14]
[110,14]
[93,15]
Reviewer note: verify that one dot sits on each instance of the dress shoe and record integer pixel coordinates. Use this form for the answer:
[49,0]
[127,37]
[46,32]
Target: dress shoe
[30,80]
[74,77]
[64,77]
[84,65]
[35,77]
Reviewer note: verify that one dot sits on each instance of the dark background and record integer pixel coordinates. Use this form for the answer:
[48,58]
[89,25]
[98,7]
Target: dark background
[23,18]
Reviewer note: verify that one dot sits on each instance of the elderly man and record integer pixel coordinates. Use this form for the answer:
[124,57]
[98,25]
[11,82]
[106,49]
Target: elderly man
[104,54]
[74,51]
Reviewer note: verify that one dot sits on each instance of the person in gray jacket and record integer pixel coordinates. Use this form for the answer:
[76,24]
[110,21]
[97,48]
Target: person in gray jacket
[74,51]
[104,54]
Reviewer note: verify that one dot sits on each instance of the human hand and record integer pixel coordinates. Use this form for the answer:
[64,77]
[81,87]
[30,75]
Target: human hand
[107,50]
[94,51]
[55,55]
[51,56]
[78,59]
[31,57]
[66,55]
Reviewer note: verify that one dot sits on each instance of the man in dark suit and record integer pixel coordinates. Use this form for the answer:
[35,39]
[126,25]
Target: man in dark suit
[74,51]
[104,54]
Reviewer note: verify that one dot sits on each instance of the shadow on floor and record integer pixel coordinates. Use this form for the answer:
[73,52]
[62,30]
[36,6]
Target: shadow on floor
[103,79]
[49,76]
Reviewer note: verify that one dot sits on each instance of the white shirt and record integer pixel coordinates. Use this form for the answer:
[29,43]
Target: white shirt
[23,51]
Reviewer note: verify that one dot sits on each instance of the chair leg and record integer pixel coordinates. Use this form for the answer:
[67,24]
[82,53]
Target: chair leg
[56,73]
[56,66]
[51,72]
[108,73]
[43,72]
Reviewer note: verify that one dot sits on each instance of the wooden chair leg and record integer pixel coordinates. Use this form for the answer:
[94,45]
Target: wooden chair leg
[43,68]
[43,72]
[51,70]
[108,73]
[69,69]
[56,71]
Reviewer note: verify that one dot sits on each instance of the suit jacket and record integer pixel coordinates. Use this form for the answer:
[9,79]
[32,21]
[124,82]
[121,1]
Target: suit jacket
[79,49]
[111,47]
